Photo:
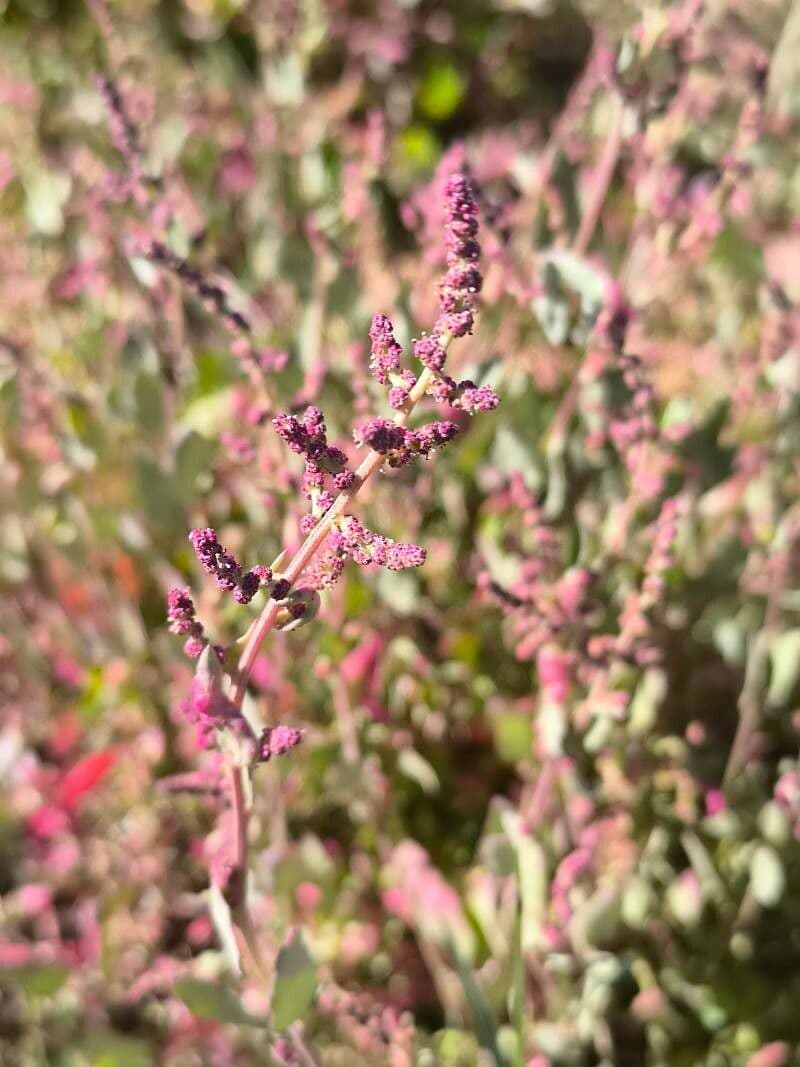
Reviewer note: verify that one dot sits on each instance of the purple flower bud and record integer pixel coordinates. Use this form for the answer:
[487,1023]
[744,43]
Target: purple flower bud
[405,555]
[307,524]
[248,587]
[281,589]
[472,398]
[458,323]
[432,436]
[313,422]
[313,480]
[380,547]
[460,250]
[343,481]
[459,200]
[382,435]
[443,390]
[291,433]
[194,646]
[430,353]
[332,460]
[180,611]
[277,740]
[460,283]
[214,559]
[386,352]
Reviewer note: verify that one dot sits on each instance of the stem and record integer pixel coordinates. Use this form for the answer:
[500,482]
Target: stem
[246,935]
[756,672]
[750,698]
[241,813]
[605,172]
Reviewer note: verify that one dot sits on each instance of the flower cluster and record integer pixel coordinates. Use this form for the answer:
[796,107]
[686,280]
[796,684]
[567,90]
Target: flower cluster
[462,282]
[325,464]
[351,539]
[277,740]
[458,292]
[216,560]
[386,352]
[182,620]
[399,444]
[386,355]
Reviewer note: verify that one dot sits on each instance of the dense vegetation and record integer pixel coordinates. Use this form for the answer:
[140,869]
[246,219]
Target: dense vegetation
[528,793]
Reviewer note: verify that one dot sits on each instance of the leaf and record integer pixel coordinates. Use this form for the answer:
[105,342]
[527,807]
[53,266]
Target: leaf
[532,876]
[579,276]
[107,1049]
[220,914]
[418,146]
[192,459]
[441,91]
[149,405]
[40,980]
[483,1019]
[47,194]
[744,259]
[285,81]
[417,768]
[160,496]
[513,735]
[210,1000]
[784,71]
[510,453]
[785,661]
[767,877]
[295,982]
[552,311]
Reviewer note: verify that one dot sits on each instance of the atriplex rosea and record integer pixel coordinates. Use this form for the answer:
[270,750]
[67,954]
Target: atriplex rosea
[333,534]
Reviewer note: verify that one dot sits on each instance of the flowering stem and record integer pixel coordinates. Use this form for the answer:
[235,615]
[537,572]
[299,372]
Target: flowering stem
[312,544]
[245,933]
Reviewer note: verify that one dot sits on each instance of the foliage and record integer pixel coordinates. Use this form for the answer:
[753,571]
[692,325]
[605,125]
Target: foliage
[546,808]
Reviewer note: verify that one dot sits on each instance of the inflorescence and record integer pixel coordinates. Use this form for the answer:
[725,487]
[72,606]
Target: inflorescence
[328,477]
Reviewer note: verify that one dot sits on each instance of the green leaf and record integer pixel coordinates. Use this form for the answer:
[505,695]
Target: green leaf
[47,194]
[160,496]
[40,980]
[149,405]
[744,259]
[440,91]
[513,735]
[532,876]
[483,1018]
[767,877]
[579,276]
[552,311]
[785,659]
[510,453]
[784,71]
[418,146]
[295,982]
[417,768]
[107,1049]
[210,1000]
[192,458]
